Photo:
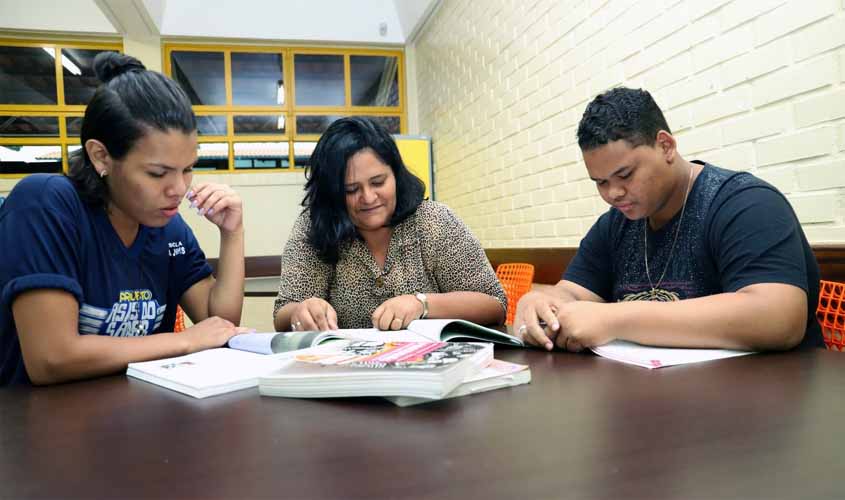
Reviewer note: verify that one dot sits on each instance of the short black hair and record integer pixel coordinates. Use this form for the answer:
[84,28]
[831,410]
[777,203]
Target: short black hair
[325,193]
[624,114]
[130,102]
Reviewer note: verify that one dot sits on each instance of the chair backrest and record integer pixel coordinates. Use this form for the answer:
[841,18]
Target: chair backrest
[516,279]
[180,320]
[831,314]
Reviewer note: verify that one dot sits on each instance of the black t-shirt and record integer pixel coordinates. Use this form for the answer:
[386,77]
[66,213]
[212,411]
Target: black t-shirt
[737,230]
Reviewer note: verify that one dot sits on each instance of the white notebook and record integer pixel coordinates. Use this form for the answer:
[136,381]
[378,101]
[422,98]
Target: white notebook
[659,357]
[206,373]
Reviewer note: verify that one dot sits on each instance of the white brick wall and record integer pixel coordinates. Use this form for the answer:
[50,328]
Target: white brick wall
[755,85]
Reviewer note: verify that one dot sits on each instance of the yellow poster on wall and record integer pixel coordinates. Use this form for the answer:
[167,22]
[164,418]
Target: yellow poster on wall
[416,153]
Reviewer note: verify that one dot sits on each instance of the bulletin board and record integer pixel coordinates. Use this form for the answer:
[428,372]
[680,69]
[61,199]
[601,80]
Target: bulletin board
[416,153]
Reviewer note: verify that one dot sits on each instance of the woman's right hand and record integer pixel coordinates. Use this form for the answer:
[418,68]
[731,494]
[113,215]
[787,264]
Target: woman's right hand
[313,314]
[211,332]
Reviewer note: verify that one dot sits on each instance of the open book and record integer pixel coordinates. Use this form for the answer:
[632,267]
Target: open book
[365,368]
[658,357]
[206,373]
[497,375]
[421,330]
[459,330]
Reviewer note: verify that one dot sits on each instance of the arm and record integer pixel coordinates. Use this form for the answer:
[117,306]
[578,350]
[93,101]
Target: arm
[224,295]
[303,285]
[472,306]
[54,351]
[467,284]
[728,320]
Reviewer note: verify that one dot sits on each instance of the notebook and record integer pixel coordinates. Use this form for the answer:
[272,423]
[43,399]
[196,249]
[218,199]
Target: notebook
[659,357]
[206,373]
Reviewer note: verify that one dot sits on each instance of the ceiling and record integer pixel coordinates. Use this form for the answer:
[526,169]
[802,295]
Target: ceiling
[371,22]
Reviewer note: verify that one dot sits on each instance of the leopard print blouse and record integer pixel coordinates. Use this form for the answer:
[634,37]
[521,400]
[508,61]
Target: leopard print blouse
[432,251]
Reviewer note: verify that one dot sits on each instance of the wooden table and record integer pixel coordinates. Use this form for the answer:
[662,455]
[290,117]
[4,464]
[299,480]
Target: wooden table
[762,426]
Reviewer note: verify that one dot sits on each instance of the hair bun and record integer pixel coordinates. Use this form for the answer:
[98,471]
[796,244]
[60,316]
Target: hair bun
[108,65]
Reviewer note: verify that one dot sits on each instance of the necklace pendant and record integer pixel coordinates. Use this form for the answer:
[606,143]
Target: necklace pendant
[661,295]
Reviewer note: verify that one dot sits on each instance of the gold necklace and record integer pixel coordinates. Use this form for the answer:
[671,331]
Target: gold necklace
[656,293]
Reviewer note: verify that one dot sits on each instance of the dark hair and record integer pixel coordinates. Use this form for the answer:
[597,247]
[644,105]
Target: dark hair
[621,113]
[130,102]
[325,195]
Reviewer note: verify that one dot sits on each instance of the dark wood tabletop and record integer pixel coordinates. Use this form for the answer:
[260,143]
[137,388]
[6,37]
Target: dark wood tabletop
[761,426]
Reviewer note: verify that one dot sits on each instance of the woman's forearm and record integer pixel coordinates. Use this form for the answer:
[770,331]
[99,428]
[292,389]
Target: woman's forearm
[472,306]
[227,294]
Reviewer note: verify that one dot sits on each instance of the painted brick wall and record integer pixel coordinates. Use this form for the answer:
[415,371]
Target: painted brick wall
[746,84]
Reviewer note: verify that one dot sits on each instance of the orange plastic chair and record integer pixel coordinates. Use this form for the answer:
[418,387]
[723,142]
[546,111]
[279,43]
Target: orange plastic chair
[516,279]
[831,314]
[180,320]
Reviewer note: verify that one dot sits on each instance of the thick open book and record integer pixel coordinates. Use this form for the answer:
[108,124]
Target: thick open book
[421,330]
[366,368]
[497,375]
[658,357]
[277,343]
[206,373]
[459,330]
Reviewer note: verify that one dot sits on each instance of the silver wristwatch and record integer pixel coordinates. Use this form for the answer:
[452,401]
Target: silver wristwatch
[422,298]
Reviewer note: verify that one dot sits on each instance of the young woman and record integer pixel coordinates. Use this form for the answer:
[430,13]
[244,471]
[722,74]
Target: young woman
[369,251]
[96,262]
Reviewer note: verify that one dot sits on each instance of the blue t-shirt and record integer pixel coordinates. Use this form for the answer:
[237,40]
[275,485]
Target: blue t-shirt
[51,239]
[737,230]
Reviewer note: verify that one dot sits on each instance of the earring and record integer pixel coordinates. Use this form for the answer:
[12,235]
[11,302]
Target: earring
[103,173]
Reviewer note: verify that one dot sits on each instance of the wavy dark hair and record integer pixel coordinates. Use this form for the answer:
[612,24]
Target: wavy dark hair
[621,114]
[130,102]
[325,195]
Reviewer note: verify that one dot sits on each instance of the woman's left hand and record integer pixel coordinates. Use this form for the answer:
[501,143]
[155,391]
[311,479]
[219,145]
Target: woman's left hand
[397,313]
[220,204]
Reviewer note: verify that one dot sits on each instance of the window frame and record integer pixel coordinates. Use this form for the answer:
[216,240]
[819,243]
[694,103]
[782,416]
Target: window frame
[60,110]
[289,109]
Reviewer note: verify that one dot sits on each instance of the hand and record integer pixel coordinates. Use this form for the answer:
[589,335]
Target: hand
[532,308]
[211,332]
[583,324]
[397,313]
[218,203]
[313,314]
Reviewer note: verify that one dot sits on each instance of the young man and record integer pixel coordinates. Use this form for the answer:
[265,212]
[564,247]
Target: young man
[689,255]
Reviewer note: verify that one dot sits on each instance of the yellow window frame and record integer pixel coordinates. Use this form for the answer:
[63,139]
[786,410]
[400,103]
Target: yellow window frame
[289,109]
[60,110]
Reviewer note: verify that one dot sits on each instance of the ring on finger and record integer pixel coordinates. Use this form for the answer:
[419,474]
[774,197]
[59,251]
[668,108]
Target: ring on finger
[522,329]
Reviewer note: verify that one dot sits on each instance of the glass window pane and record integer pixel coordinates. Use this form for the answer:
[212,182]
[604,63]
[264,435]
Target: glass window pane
[375,80]
[319,80]
[73,125]
[30,159]
[259,124]
[212,156]
[390,123]
[211,125]
[201,75]
[29,126]
[261,155]
[257,79]
[80,80]
[27,75]
[313,124]
[302,151]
